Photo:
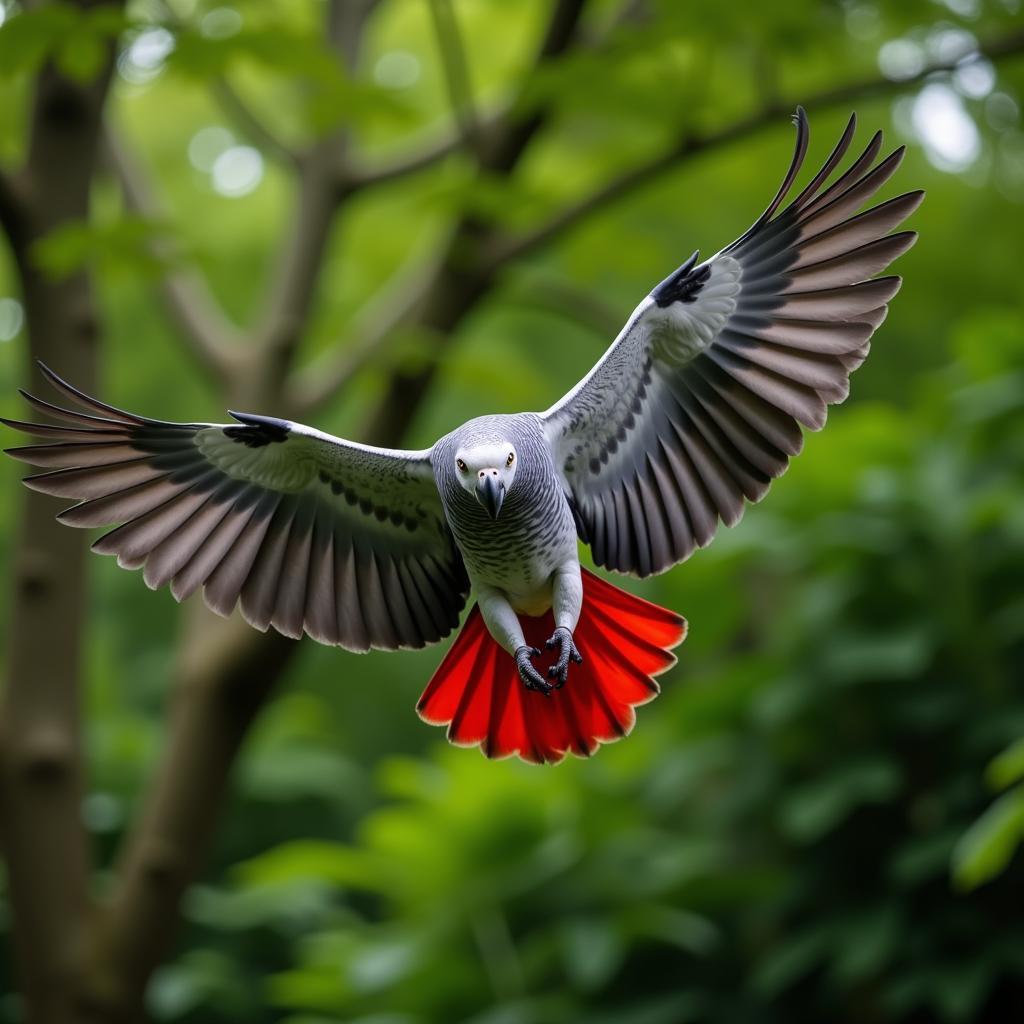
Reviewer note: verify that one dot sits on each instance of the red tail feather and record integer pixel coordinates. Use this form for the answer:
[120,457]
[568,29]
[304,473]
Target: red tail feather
[624,640]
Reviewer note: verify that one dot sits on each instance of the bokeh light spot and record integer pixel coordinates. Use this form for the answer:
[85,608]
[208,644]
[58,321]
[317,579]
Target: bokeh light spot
[237,171]
[207,145]
[397,69]
[221,23]
[862,21]
[974,78]
[101,812]
[1002,111]
[899,59]
[963,8]
[946,130]
[948,44]
[12,318]
[145,56]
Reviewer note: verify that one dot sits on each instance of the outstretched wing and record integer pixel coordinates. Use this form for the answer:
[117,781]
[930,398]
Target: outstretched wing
[698,403]
[309,532]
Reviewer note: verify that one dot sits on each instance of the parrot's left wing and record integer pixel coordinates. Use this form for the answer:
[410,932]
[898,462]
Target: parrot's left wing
[698,403]
[309,532]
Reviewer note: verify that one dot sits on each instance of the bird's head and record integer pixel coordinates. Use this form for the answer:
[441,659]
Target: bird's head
[486,471]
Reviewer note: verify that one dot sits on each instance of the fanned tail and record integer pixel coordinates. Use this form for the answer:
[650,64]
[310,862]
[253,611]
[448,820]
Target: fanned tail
[625,642]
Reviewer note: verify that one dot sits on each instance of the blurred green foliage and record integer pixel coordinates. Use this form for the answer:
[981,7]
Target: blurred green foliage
[819,820]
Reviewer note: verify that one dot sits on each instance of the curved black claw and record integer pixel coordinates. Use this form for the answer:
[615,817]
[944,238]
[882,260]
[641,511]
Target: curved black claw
[562,638]
[529,675]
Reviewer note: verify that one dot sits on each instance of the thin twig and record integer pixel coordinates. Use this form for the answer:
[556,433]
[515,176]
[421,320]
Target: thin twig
[500,136]
[292,287]
[420,158]
[212,339]
[561,298]
[456,72]
[315,385]
[364,172]
[252,127]
[692,145]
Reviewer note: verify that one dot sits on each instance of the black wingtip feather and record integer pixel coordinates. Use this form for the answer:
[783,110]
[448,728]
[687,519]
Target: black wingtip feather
[257,431]
[84,400]
[682,285]
[803,135]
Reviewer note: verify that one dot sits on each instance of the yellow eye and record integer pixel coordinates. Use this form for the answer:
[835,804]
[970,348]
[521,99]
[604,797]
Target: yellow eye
[462,466]
[511,457]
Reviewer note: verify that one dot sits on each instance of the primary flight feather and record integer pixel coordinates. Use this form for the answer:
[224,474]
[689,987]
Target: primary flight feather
[696,406]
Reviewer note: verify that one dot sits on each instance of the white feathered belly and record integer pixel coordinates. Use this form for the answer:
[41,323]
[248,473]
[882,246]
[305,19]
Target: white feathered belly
[536,602]
[526,585]
[523,572]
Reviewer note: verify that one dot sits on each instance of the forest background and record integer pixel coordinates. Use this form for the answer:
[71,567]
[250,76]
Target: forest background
[387,217]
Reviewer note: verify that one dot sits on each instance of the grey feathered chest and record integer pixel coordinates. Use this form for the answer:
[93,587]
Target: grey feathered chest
[535,531]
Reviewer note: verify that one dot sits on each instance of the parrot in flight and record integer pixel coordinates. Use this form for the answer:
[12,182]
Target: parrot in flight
[694,409]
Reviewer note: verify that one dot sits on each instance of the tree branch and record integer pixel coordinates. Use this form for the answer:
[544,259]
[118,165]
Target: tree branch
[507,145]
[295,277]
[500,133]
[456,72]
[212,339]
[315,385]
[563,299]
[503,139]
[463,276]
[252,127]
[12,210]
[693,145]
[225,674]
[361,172]
[245,119]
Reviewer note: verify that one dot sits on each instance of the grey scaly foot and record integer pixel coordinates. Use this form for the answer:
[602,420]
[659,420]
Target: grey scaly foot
[529,675]
[562,638]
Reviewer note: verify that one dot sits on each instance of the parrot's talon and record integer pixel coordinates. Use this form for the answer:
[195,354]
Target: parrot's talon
[562,638]
[531,678]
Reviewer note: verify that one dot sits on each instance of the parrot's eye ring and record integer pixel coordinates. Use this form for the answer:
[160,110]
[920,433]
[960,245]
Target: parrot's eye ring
[462,466]
[510,459]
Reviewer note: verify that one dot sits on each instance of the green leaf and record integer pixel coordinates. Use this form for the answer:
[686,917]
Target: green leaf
[593,951]
[792,960]
[28,38]
[77,40]
[82,55]
[132,245]
[986,847]
[866,943]
[308,859]
[813,810]
[316,987]
[1008,767]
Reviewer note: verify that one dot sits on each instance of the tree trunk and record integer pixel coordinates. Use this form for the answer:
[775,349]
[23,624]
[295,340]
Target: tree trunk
[41,779]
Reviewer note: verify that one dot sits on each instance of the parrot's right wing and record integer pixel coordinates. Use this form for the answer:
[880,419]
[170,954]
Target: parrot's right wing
[311,532]
[698,403]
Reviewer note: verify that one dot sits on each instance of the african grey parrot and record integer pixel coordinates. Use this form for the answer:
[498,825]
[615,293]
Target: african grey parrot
[693,410]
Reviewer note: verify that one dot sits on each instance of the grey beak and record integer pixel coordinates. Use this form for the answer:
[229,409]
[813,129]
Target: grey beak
[490,493]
